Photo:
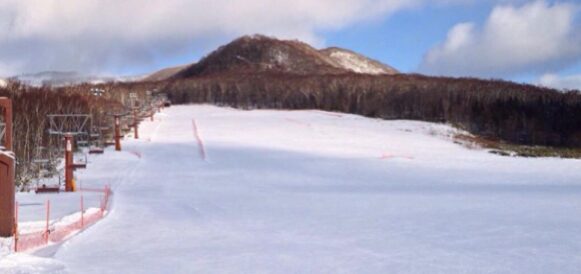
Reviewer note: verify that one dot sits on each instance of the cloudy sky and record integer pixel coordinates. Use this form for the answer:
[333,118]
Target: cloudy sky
[528,41]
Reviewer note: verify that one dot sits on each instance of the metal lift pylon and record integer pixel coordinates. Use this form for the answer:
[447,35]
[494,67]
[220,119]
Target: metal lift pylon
[69,126]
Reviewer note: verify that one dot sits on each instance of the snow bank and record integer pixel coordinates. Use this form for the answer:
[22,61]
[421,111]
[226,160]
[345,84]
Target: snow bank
[21,263]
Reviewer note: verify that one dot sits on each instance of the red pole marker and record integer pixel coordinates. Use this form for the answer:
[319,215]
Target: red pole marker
[69,163]
[117,134]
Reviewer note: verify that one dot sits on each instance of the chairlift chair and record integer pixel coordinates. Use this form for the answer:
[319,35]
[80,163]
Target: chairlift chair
[43,174]
[82,164]
[96,144]
[82,143]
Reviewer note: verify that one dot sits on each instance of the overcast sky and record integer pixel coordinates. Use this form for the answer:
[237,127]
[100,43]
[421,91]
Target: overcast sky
[530,41]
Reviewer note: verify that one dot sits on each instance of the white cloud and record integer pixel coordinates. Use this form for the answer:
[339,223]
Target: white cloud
[534,37]
[97,34]
[561,82]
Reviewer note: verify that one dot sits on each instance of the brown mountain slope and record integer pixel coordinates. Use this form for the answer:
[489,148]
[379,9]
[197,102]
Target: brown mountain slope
[256,54]
[164,74]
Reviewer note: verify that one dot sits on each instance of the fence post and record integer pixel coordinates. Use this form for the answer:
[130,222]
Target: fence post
[104,201]
[47,220]
[16,227]
[82,209]
[101,205]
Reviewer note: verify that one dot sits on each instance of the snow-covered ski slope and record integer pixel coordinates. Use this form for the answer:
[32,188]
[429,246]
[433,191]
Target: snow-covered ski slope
[317,192]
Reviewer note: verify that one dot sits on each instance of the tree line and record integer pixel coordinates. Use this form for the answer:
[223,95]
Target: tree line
[31,105]
[495,109]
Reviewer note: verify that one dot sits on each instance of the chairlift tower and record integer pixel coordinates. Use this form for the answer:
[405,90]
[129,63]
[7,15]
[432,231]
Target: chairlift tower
[69,126]
[150,102]
[134,108]
[7,196]
[117,125]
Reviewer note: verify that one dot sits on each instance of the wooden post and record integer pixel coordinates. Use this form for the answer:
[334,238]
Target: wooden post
[69,163]
[135,124]
[117,134]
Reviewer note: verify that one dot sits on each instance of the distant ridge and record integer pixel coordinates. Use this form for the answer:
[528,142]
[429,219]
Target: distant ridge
[164,74]
[68,78]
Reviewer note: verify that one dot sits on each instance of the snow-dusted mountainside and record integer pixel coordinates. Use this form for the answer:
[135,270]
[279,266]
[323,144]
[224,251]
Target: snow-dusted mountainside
[357,62]
[219,190]
[64,78]
[257,54]
[262,54]
[52,78]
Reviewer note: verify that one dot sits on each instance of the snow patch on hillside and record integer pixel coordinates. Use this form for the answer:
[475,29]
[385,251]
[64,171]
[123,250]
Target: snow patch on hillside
[356,63]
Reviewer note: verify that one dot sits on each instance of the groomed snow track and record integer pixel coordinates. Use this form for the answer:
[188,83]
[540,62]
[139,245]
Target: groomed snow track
[313,192]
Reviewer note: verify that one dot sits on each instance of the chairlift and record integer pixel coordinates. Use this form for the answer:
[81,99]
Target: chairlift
[47,189]
[43,174]
[70,127]
[96,144]
[117,132]
[110,143]
[82,143]
[80,163]
[96,150]
[40,161]
[125,122]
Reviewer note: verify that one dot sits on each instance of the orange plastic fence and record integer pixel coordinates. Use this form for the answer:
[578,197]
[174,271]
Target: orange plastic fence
[58,233]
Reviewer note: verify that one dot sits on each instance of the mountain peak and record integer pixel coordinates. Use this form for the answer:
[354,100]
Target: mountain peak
[263,54]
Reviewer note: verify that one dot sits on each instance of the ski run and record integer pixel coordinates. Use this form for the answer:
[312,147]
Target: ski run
[217,190]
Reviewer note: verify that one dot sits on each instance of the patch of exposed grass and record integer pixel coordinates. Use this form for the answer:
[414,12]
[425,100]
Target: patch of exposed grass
[514,150]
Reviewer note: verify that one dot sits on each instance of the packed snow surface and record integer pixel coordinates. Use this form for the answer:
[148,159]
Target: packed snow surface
[319,192]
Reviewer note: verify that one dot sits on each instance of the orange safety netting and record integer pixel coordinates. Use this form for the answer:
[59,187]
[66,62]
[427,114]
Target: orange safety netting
[58,233]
